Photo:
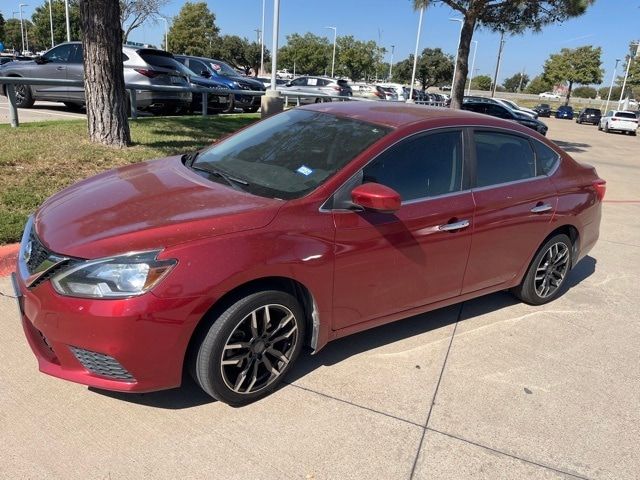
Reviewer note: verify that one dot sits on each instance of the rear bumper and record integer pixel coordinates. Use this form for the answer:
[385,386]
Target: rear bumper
[163,99]
[623,126]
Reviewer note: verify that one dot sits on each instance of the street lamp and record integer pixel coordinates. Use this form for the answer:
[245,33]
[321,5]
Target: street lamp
[393,47]
[51,23]
[606,108]
[455,65]
[473,63]
[22,25]
[335,36]
[166,33]
[415,57]
[66,13]
[262,41]
[624,83]
[274,44]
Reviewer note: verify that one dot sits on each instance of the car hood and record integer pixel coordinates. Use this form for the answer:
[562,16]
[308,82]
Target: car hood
[205,82]
[145,206]
[250,82]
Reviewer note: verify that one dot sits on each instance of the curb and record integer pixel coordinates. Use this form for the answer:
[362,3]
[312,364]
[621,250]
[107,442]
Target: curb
[8,257]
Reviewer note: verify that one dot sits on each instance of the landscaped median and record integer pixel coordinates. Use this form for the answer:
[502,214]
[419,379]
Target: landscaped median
[39,159]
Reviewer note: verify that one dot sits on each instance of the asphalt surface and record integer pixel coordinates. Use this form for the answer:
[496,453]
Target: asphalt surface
[487,389]
[39,112]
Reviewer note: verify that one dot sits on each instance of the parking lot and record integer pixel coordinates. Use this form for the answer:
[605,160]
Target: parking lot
[39,112]
[490,388]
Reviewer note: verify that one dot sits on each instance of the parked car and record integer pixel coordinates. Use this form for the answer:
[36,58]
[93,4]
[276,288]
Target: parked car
[565,111]
[620,121]
[549,96]
[313,224]
[543,110]
[322,86]
[518,108]
[223,73]
[284,73]
[266,81]
[398,88]
[589,115]
[506,113]
[505,103]
[64,62]
[390,93]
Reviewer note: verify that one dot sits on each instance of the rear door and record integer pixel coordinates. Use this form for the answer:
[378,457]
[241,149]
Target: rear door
[388,263]
[515,202]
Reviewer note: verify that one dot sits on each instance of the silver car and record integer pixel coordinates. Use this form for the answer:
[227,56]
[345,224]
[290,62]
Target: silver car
[141,66]
[317,85]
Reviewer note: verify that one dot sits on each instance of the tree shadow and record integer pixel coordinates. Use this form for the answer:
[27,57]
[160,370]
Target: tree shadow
[572,147]
[190,395]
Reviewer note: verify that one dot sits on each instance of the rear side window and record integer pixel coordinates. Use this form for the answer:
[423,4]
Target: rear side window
[502,158]
[159,60]
[546,158]
[423,166]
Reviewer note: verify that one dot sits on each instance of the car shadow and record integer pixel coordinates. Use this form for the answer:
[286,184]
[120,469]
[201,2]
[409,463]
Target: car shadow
[190,395]
[572,147]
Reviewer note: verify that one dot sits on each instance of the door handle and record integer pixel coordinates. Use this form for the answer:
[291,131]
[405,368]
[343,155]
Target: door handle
[448,227]
[61,68]
[545,207]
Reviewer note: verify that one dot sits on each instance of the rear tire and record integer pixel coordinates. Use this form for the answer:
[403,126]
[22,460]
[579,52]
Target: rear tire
[250,347]
[606,128]
[547,272]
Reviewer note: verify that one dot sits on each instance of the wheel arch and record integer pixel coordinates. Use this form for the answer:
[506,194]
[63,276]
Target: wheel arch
[4,85]
[285,284]
[574,235]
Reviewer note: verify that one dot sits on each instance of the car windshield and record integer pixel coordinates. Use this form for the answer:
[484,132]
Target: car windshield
[223,69]
[290,154]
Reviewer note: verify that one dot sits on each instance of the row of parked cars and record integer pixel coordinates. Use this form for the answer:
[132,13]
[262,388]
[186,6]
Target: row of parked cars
[144,67]
[615,120]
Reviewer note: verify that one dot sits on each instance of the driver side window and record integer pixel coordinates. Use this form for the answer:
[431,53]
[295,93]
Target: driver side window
[60,54]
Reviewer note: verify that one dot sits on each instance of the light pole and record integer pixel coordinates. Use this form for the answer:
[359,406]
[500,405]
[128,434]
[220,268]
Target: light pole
[415,57]
[51,23]
[66,13]
[274,44]
[455,65]
[262,41]
[335,37]
[624,83]
[495,77]
[613,77]
[473,63]
[22,25]
[166,33]
[393,47]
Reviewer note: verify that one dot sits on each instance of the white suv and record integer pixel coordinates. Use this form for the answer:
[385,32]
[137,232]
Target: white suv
[621,121]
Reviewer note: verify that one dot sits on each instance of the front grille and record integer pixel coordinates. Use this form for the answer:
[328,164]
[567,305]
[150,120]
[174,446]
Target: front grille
[39,253]
[41,259]
[101,364]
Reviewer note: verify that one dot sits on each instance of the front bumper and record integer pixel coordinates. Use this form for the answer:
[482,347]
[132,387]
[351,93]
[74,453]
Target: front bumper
[130,345]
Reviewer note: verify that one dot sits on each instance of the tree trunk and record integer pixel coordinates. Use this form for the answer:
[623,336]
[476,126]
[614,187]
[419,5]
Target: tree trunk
[462,66]
[103,73]
[566,102]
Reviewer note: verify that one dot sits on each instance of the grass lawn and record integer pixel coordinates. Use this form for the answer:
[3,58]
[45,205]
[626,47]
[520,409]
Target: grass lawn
[39,159]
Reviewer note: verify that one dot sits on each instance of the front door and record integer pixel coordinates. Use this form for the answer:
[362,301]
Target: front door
[54,67]
[388,263]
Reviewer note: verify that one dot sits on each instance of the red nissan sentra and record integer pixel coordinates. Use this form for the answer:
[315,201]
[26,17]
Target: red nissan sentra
[314,224]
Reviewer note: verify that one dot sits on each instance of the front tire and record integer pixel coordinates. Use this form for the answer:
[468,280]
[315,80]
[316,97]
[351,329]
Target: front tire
[250,347]
[547,272]
[24,97]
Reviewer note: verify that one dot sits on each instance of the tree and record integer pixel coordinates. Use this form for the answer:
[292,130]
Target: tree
[538,85]
[356,58]
[1,27]
[194,30]
[633,79]
[585,92]
[509,16]
[310,53]
[516,83]
[482,82]
[603,92]
[402,70]
[580,65]
[13,36]
[105,94]
[434,68]
[41,32]
[240,53]
[133,13]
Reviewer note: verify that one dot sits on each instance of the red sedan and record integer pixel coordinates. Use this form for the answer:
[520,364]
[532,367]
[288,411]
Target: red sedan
[314,224]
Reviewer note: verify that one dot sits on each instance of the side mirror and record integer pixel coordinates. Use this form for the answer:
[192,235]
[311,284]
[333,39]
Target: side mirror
[376,197]
[288,84]
[205,74]
[39,59]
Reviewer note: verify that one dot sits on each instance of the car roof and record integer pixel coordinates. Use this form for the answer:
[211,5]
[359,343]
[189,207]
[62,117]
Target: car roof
[398,115]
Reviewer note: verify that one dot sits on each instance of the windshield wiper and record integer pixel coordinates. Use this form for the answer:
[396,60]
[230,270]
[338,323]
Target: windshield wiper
[232,181]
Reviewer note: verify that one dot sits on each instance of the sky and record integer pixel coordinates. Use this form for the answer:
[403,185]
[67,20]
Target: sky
[610,24]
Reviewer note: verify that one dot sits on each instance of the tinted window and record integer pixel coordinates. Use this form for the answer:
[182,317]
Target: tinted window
[60,54]
[161,61]
[197,66]
[502,158]
[497,111]
[290,154]
[299,82]
[473,107]
[423,166]
[625,115]
[546,158]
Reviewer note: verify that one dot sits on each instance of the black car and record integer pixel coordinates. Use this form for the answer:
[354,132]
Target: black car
[544,110]
[507,113]
[223,73]
[589,115]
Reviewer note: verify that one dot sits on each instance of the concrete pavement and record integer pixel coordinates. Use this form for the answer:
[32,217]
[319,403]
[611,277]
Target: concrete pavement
[488,389]
[39,112]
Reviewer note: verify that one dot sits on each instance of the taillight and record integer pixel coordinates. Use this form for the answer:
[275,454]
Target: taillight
[147,73]
[336,88]
[601,187]
[378,94]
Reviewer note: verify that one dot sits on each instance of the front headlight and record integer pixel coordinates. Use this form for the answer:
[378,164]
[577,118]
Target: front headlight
[114,277]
